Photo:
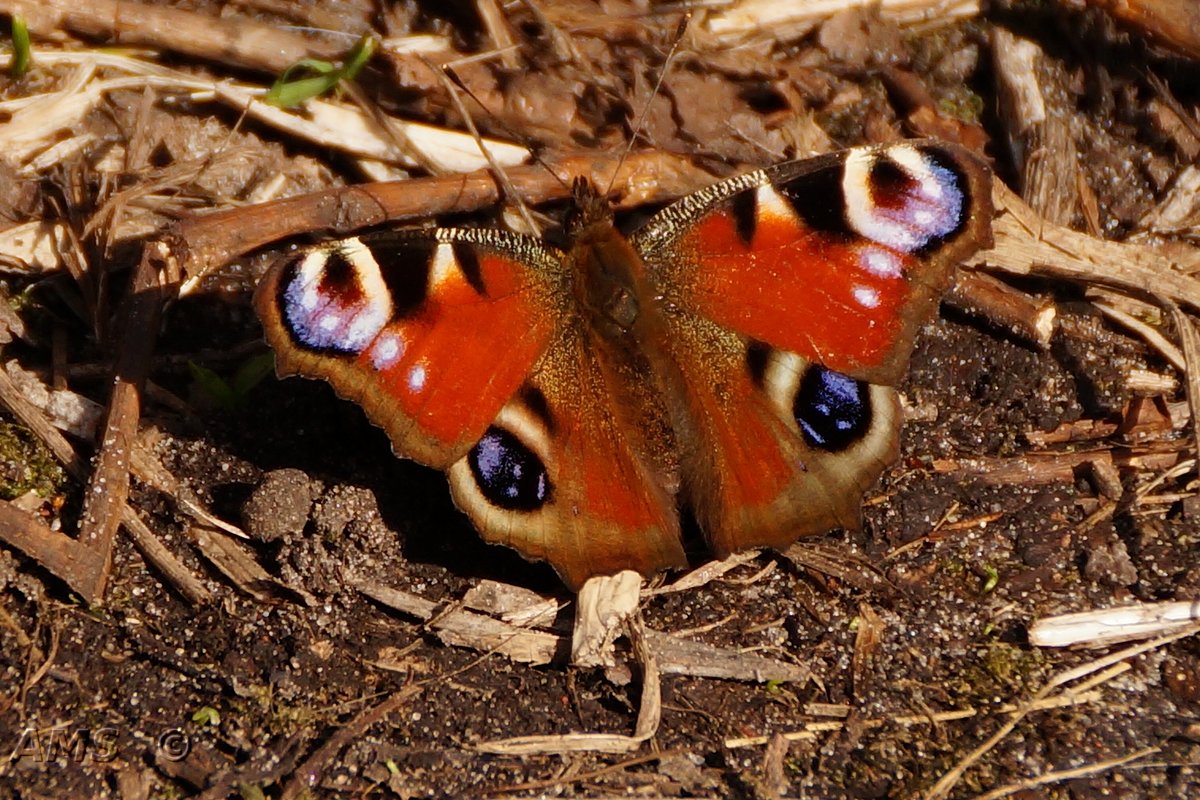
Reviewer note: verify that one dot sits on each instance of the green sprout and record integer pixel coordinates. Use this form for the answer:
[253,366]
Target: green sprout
[21,55]
[230,395]
[207,715]
[289,91]
[993,578]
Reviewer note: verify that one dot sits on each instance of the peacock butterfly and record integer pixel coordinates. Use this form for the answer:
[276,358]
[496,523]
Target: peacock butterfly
[733,358]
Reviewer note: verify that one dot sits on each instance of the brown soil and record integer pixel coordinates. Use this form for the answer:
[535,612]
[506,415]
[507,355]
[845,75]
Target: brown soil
[146,694]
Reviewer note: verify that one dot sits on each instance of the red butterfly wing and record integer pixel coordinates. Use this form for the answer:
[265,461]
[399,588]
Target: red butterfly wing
[791,298]
[432,332]
[579,469]
[839,259]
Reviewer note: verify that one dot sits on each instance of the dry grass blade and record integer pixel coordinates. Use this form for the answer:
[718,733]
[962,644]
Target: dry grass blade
[1107,667]
[813,730]
[649,708]
[794,18]
[1190,340]
[1066,774]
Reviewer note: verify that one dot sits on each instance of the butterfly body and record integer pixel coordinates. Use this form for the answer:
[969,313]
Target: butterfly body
[733,358]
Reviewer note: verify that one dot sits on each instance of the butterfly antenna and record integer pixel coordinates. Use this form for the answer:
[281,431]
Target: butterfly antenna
[452,85]
[662,75]
[508,129]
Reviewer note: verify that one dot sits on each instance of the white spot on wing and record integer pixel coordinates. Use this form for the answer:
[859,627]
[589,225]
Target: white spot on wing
[416,378]
[444,266]
[880,262]
[771,203]
[387,349]
[866,296]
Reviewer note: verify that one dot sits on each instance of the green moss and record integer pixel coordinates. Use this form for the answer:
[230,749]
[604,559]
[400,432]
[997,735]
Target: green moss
[967,107]
[26,465]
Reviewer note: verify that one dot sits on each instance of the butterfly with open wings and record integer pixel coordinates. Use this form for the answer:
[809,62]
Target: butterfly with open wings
[733,359]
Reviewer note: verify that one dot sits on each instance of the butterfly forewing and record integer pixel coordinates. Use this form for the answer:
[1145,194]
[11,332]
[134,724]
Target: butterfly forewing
[839,259]
[432,332]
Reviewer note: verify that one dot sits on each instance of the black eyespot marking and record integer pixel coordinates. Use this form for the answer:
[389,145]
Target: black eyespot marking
[535,400]
[743,207]
[833,410]
[468,261]
[890,185]
[508,473]
[758,354]
[404,265]
[818,199]
[339,280]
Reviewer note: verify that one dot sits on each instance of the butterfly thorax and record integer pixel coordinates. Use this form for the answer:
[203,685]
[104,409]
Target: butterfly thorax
[611,284]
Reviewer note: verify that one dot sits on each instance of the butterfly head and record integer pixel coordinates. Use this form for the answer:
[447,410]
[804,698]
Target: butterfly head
[590,208]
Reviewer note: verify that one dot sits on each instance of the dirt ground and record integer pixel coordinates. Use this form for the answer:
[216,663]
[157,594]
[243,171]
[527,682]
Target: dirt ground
[1041,473]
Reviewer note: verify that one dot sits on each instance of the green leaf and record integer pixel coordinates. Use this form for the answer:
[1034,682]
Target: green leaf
[993,578]
[288,91]
[213,385]
[232,394]
[22,55]
[251,374]
[251,791]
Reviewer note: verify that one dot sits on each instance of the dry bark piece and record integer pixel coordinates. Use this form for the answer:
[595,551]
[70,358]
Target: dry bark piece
[228,41]
[1029,318]
[603,607]
[466,628]
[236,563]
[1174,23]
[1039,134]
[62,556]
[1027,244]
[789,20]
[206,242]
[108,485]
[1042,468]
[675,656]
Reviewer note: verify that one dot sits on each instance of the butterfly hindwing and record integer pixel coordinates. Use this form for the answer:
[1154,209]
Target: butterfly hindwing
[778,446]
[579,469]
[431,332]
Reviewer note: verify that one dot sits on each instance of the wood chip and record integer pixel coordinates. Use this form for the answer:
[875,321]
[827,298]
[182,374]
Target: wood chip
[1026,244]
